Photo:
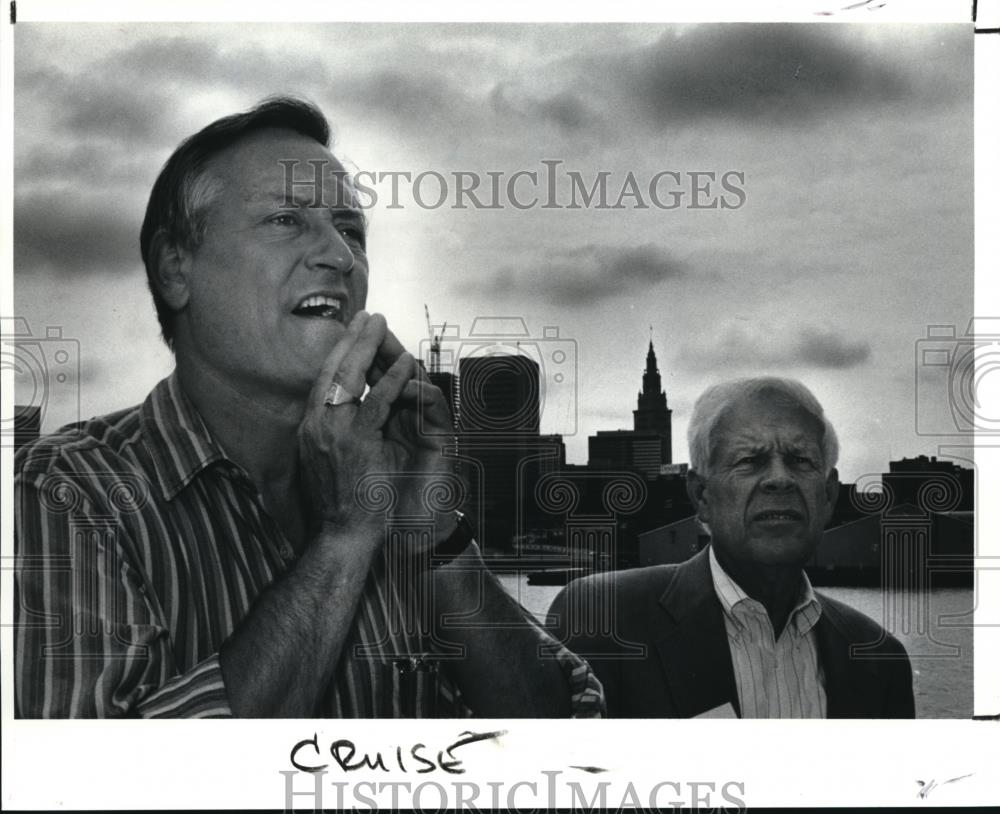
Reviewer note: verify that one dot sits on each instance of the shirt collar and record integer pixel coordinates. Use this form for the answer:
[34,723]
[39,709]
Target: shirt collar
[731,596]
[178,440]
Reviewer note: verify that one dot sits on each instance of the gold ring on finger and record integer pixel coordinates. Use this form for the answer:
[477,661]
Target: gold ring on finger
[338,395]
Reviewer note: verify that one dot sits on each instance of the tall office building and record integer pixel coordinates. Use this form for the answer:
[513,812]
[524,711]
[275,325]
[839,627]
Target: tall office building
[652,413]
[498,395]
[626,449]
[498,420]
[647,447]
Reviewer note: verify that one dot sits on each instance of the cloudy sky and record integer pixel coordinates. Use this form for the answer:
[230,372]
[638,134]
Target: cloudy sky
[851,232]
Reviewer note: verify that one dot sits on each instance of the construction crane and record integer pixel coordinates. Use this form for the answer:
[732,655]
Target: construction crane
[435,355]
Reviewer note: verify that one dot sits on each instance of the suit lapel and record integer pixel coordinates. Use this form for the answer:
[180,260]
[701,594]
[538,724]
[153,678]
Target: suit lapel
[693,648]
[853,688]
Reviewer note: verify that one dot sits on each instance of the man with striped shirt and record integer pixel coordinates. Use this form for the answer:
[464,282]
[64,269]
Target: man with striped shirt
[256,539]
[738,629]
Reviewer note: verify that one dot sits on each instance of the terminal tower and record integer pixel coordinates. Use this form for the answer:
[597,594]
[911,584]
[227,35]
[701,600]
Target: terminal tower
[652,413]
[646,448]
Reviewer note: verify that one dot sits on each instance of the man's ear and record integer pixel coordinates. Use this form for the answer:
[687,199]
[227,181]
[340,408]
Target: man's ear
[696,492]
[832,493]
[171,270]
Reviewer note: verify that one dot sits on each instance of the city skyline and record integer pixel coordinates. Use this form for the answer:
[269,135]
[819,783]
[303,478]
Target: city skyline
[929,452]
[849,234]
[926,456]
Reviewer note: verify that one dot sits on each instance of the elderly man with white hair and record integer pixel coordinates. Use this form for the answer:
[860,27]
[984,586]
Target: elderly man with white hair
[738,629]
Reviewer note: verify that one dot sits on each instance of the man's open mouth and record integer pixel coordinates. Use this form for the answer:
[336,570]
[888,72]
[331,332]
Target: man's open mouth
[777,515]
[318,305]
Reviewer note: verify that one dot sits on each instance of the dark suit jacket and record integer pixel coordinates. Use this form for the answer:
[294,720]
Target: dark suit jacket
[669,655]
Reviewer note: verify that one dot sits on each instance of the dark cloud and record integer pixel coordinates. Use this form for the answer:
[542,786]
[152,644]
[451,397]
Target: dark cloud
[139,97]
[776,346]
[181,63]
[587,274]
[68,235]
[642,264]
[179,59]
[779,73]
[113,112]
[565,109]
[108,107]
[830,350]
[412,97]
[134,98]
[90,142]
[751,70]
[65,166]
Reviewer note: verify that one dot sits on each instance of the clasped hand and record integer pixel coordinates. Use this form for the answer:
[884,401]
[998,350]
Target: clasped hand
[395,435]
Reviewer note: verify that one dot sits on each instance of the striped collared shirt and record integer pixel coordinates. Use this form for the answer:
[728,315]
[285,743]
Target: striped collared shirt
[141,546]
[774,679]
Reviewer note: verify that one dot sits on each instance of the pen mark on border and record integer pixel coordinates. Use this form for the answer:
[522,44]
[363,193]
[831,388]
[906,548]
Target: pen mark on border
[930,785]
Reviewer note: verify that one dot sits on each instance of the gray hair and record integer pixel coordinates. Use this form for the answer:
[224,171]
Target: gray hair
[712,403]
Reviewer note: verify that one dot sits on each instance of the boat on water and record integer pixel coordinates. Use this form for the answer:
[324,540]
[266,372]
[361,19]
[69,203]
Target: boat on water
[556,576]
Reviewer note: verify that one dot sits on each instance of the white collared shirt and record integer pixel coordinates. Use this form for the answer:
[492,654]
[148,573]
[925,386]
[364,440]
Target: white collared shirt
[782,679]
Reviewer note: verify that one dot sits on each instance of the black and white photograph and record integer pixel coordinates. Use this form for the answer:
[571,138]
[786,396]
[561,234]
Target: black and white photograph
[367,379]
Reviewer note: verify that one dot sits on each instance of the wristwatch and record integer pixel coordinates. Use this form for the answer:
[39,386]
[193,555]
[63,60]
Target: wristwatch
[455,543]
